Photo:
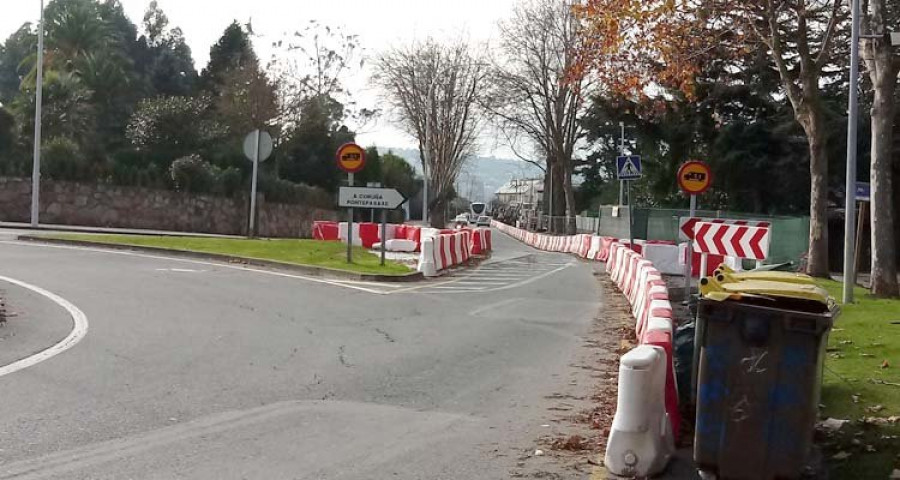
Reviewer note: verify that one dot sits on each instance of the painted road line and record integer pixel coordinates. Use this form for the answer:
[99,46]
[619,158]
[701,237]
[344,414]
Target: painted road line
[467,289]
[501,303]
[196,262]
[79,330]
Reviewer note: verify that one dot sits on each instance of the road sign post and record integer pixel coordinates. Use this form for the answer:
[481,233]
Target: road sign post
[350,224]
[694,178]
[628,167]
[351,158]
[375,198]
[257,147]
[383,235]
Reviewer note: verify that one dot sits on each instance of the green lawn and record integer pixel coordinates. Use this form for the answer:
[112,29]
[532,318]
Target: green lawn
[301,252]
[862,379]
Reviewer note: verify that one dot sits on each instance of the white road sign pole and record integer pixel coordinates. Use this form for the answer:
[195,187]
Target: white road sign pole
[350,224]
[251,231]
[38,93]
[383,235]
[689,254]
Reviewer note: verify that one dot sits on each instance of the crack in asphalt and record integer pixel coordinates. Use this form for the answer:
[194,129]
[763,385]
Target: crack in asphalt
[387,336]
[343,357]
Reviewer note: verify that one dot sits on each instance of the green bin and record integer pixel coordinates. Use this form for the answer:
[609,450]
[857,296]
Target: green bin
[758,384]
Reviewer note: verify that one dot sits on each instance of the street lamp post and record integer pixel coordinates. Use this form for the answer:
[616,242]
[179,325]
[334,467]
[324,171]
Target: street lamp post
[38,99]
[850,186]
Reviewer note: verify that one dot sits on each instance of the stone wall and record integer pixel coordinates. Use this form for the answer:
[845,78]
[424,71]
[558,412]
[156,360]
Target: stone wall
[100,205]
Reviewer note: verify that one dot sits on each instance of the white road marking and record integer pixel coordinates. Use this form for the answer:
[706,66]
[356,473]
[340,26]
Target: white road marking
[493,305]
[196,262]
[467,289]
[179,270]
[79,330]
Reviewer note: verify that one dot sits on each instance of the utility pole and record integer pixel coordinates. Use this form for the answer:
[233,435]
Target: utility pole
[850,186]
[38,99]
[622,153]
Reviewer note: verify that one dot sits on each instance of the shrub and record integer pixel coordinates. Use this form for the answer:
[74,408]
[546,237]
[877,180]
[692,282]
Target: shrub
[284,191]
[229,181]
[62,159]
[192,174]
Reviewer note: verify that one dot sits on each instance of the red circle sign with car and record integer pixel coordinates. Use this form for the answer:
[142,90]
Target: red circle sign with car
[694,177]
[351,158]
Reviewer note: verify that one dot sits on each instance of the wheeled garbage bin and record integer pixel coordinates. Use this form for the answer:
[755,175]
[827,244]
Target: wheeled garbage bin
[759,378]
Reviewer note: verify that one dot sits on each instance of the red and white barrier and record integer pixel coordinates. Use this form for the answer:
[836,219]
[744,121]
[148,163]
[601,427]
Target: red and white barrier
[642,437]
[480,241]
[444,250]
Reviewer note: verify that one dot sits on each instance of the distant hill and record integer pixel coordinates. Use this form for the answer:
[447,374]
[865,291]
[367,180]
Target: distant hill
[481,176]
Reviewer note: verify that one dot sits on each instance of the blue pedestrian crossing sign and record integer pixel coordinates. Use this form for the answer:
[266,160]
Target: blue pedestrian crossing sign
[628,167]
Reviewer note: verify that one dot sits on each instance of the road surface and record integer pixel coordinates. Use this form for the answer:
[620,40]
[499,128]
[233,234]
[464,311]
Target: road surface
[202,370]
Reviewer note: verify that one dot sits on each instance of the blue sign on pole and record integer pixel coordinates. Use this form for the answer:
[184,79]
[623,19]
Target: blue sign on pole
[863,192]
[628,167]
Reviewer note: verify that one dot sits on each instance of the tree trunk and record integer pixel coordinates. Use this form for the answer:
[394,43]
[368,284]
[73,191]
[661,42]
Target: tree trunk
[437,210]
[813,125]
[571,225]
[884,259]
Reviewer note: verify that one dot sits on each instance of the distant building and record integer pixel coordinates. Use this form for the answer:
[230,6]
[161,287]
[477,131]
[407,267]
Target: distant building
[526,193]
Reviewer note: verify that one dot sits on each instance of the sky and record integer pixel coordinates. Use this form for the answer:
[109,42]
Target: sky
[380,24]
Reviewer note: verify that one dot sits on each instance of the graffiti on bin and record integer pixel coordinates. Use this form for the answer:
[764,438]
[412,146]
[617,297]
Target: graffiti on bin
[753,363]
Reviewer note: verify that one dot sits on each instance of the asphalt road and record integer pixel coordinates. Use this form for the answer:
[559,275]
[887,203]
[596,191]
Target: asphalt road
[203,370]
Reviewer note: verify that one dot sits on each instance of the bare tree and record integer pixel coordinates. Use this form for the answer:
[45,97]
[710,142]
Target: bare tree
[434,89]
[883,65]
[538,92]
[311,63]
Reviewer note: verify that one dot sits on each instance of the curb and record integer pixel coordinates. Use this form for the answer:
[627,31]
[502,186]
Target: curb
[304,269]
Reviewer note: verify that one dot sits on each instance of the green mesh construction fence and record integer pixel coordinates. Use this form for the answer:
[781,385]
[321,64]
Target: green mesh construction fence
[789,242]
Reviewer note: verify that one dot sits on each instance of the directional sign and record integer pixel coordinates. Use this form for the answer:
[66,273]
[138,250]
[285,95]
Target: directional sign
[628,168]
[366,197]
[265,145]
[686,225]
[694,177]
[732,240]
[351,158]
[863,192]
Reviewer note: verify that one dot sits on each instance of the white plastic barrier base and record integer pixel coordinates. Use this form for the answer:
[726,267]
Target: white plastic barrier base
[426,258]
[640,440]
[664,258]
[397,245]
[342,233]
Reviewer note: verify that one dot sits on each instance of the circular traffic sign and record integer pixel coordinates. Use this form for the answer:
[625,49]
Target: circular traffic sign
[265,145]
[351,158]
[694,177]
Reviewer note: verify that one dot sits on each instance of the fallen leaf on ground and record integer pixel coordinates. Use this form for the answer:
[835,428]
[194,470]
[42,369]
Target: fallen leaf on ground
[875,408]
[867,355]
[870,449]
[885,364]
[575,442]
[882,382]
[841,456]
[855,398]
[833,424]
[895,475]
[845,342]
[538,452]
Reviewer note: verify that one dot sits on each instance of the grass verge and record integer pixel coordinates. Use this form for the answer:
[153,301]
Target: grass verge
[313,253]
[861,383]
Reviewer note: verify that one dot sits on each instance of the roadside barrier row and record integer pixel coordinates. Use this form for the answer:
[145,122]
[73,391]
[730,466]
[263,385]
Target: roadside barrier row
[647,422]
[442,249]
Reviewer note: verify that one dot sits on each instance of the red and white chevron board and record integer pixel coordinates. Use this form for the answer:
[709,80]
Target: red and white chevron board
[732,240]
[686,225]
